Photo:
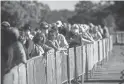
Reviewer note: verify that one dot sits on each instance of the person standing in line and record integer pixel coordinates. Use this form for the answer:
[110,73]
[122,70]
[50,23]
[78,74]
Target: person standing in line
[51,40]
[44,27]
[61,39]
[27,41]
[16,52]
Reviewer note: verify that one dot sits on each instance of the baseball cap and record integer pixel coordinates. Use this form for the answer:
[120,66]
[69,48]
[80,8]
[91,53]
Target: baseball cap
[5,24]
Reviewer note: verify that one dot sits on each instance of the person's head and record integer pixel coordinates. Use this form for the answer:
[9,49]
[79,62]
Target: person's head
[102,25]
[37,30]
[75,29]
[82,27]
[52,34]
[14,34]
[22,37]
[95,29]
[27,29]
[59,23]
[44,27]
[5,25]
[55,28]
[34,33]
[91,25]
[39,38]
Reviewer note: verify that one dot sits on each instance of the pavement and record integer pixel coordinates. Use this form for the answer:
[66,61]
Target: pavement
[112,70]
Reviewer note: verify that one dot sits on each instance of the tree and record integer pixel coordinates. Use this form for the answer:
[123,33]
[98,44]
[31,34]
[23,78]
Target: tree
[87,11]
[23,12]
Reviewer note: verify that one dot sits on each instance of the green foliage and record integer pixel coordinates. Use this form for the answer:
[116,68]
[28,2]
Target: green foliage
[62,15]
[109,13]
[88,11]
[19,13]
[118,10]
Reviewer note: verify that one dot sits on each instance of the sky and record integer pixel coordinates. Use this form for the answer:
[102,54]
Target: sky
[58,5]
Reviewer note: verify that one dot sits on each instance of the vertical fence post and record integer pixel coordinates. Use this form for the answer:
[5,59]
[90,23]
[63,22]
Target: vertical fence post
[86,68]
[75,62]
[68,69]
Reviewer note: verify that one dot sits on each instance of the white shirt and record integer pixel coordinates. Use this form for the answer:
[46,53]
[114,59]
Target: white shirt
[62,41]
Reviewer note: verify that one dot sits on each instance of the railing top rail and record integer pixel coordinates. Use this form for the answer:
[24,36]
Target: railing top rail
[35,57]
[119,32]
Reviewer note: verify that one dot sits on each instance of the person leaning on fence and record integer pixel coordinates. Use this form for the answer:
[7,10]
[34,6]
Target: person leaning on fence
[5,33]
[60,39]
[68,32]
[37,49]
[44,27]
[43,41]
[27,41]
[86,39]
[16,52]
[88,34]
[75,37]
[95,33]
[51,40]
[64,29]
[98,34]
[100,30]
[61,28]
[105,32]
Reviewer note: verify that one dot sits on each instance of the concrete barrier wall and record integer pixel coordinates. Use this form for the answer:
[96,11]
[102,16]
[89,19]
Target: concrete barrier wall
[60,67]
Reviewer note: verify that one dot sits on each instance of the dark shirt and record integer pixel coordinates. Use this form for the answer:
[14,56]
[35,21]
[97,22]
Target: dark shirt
[62,30]
[75,40]
[5,42]
[29,46]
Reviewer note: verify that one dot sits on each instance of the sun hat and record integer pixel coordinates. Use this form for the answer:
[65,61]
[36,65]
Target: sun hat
[5,24]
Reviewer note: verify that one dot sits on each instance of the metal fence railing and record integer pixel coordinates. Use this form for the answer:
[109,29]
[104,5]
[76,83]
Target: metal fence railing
[60,67]
[118,37]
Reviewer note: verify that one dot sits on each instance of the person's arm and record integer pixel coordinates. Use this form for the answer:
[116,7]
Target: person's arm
[90,36]
[64,42]
[46,47]
[51,44]
[85,40]
[21,53]
[41,51]
[10,57]
[99,34]
[57,45]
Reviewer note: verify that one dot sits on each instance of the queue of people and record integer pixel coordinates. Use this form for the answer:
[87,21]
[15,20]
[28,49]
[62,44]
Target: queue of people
[20,45]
